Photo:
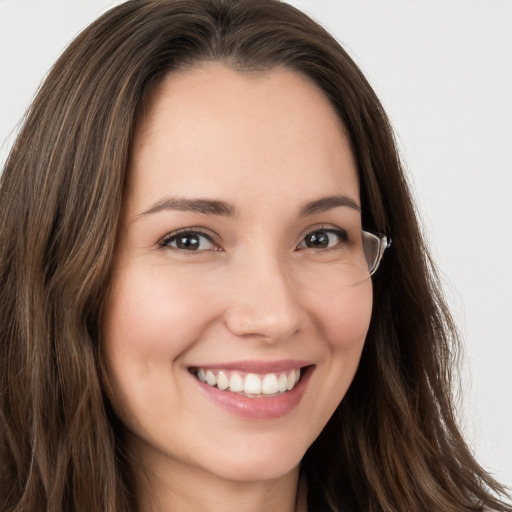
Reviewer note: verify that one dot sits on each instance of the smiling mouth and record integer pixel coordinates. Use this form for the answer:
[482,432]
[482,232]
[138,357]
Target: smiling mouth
[252,385]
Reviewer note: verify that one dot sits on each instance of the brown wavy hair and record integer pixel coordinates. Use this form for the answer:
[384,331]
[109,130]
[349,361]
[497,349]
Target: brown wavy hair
[393,443]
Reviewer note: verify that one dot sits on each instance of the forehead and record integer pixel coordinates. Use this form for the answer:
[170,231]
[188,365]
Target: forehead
[215,131]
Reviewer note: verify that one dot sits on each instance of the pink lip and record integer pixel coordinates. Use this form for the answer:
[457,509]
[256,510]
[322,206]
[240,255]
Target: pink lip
[258,408]
[260,367]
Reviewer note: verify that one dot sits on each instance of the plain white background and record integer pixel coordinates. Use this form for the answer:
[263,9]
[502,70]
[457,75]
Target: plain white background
[443,70]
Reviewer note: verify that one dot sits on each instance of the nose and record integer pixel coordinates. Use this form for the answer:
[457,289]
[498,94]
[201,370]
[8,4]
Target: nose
[263,301]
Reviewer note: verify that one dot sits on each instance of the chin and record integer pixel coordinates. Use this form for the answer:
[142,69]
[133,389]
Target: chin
[257,469]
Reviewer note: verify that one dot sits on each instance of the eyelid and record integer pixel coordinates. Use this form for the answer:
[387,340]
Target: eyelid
[215,239]
[342,233]
[210,235]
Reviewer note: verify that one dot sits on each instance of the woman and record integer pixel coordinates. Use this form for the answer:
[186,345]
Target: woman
[186,315]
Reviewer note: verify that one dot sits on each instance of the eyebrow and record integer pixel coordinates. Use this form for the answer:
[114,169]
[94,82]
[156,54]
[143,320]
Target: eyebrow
[204,206]
[214,207]
[328,203]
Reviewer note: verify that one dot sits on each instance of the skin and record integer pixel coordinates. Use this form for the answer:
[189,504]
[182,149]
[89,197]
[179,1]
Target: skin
[266,144]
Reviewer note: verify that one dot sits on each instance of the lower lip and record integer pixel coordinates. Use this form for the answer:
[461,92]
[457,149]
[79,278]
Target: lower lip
[263,408]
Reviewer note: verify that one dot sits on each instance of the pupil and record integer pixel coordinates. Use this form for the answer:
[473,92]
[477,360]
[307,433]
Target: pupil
[318,239]
[190,242]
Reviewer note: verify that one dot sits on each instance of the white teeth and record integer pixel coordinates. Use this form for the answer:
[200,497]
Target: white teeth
[269,386]
[236,383]
[281,385]
[290,381]
[222,381]
[251,384]
[210,378]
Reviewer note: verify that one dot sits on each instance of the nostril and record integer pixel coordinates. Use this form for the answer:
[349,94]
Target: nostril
[262,302]
[271,327]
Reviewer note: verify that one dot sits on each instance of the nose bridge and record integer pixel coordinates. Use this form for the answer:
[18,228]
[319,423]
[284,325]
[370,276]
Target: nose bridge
[263,300]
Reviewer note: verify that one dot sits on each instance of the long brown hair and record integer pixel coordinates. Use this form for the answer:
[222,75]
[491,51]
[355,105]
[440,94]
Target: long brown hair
[392,444]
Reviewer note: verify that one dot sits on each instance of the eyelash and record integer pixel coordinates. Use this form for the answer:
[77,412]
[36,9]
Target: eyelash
[173,237]
[341,234]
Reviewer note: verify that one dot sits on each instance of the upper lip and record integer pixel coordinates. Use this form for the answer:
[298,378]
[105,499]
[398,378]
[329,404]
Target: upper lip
[253,366]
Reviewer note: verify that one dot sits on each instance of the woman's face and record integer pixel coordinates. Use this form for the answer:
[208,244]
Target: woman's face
[228,269]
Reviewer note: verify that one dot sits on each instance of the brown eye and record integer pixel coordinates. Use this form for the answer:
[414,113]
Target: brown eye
[323,239]
[188,241]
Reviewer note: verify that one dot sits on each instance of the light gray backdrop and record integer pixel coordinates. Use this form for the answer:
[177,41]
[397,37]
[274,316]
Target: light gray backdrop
[443,70]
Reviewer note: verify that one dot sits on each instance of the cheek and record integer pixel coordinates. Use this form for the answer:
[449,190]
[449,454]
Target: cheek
[344,316]
[150,315]
[150,322]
